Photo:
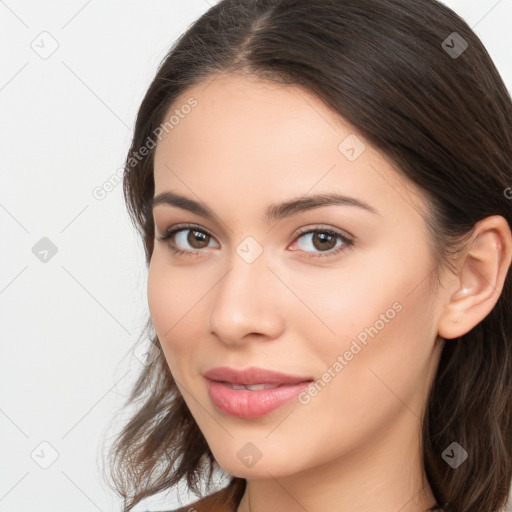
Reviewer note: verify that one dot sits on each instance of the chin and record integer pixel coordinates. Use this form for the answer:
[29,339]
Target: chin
[264,467]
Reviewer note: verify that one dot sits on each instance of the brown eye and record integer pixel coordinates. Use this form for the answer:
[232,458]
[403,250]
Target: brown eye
[322,242]
[197,238]
[186,240]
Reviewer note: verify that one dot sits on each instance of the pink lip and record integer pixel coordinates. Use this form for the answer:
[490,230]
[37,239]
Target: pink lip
[252,404]
[252,375]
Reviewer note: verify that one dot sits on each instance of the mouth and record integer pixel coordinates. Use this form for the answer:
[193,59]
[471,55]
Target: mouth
[252,393]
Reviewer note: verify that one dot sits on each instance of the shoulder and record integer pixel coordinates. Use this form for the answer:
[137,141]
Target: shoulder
[225,500]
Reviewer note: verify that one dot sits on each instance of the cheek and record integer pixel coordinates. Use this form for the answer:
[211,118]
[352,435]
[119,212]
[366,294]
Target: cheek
[160,301]
[171,298]
[367,289]
[168,305]
[387,338]
[179,308]
[385,360]
[376,314]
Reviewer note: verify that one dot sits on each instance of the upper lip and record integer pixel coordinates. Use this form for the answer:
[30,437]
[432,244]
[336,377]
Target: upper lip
[252,376]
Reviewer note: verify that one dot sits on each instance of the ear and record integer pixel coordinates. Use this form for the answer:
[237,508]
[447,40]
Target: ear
[480,278]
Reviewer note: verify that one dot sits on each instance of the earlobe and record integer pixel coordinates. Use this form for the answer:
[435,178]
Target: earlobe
[481,277]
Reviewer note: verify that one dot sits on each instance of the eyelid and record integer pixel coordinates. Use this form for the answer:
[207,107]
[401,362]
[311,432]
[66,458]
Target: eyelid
[327,227]
[300,231]
[172,231]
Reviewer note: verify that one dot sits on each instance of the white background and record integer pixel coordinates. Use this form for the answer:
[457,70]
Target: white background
[68,326]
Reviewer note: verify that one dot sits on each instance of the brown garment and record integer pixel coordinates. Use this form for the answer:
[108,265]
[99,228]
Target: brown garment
[225,500]
[228,500]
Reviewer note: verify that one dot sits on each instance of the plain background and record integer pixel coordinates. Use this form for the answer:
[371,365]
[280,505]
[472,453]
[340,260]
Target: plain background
[72,76]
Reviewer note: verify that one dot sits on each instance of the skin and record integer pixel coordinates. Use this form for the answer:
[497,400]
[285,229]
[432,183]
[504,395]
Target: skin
[356,445]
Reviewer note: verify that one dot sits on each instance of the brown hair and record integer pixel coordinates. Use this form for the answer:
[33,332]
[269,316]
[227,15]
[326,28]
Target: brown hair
[444,119]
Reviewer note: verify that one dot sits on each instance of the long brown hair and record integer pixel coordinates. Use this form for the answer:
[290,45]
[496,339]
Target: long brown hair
[417,82]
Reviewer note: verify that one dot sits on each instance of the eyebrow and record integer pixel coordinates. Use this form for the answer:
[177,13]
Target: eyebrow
[274,212]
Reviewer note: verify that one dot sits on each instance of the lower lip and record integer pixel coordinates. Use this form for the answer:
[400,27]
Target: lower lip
[244,403]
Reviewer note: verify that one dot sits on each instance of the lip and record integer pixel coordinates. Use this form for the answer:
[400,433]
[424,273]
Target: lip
[252,376]
[244,403]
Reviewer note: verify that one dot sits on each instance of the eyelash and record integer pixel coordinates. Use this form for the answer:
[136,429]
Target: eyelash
[348,243]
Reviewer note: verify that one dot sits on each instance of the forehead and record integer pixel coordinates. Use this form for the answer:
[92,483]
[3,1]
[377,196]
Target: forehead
[259,139]
[248,117]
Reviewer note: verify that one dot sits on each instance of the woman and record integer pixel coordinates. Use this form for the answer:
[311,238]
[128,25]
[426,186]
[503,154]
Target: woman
[370,374]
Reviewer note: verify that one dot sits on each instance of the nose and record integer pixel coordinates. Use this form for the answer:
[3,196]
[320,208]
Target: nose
[246,302]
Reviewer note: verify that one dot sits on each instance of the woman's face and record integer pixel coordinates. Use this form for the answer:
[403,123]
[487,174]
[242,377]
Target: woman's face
[337,293]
